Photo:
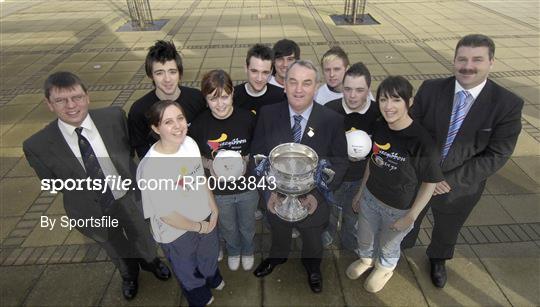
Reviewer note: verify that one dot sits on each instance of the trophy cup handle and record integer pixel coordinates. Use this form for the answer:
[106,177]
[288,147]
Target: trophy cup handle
[330,173]
[258,158]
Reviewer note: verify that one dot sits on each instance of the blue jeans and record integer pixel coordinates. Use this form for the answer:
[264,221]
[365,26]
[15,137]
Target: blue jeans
[343,197]
[237,221]
[376,239]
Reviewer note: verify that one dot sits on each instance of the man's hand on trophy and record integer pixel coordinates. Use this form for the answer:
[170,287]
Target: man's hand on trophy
[274,201]
[309,202]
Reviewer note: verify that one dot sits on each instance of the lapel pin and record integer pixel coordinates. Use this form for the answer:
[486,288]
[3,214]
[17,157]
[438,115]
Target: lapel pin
[311,132]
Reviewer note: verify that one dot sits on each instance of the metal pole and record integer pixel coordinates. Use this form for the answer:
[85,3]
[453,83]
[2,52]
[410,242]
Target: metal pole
[355,12]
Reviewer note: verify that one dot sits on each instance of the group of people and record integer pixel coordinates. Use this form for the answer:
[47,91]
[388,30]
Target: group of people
[432,150]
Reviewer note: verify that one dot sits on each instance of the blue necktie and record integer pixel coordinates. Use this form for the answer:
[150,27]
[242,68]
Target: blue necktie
[456,119]
[297,128]
[93,169]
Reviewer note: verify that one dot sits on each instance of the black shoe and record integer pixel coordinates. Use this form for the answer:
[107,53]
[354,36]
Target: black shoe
[130,288]
[160,269]
[315,282]
[266,267]
[438,273]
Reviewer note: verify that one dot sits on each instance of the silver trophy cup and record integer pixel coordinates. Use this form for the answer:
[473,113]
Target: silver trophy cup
[293,167]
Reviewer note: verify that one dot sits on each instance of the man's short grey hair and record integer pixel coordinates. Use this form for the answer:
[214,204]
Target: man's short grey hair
[307,64]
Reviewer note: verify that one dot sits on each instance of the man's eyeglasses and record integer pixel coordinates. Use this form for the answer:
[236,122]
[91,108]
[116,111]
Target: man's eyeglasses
[63,101]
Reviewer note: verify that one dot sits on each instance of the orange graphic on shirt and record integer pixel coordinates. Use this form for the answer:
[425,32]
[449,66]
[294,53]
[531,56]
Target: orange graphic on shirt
[183,172]
[214,144]
[376,147]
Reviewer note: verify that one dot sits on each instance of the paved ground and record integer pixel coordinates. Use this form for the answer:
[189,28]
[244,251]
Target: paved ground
[497,261]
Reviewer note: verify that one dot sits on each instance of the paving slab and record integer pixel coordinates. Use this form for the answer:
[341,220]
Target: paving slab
[152,292]
[13,113]
[526,145]
[17,194]
[17,283]
[510,179]
[523,208]
[488,212]
[43,236]
[71,285]
[27,99]
[76,237]
[18,133]
[469,283]
[530,166]
[7,163]
[40,114]
[6,225]
[510,265]
[57,206]
[21,169]
[401,290]
[288,285]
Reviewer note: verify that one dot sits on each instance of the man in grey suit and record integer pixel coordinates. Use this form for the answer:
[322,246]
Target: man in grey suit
[475,124]
[93,145]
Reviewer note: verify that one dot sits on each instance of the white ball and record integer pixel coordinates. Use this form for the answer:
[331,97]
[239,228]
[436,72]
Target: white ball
[228,164]
[358,144]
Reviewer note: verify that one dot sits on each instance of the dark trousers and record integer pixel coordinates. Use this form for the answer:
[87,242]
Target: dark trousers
[449,215]
[193,257]
[312,249]
[131,242]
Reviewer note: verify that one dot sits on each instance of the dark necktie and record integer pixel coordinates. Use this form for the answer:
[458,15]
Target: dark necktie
[93,169]
[297,128]
[456,119]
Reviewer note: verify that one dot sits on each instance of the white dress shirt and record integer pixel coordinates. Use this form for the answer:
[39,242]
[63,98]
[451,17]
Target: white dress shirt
[91,133]
[475,91]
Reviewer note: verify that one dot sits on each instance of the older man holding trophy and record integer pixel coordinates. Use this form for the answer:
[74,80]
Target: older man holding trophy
[306,149]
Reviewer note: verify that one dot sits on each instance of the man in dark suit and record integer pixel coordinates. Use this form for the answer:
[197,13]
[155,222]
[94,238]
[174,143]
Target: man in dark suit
[322,130]
[475,123]
[94,144]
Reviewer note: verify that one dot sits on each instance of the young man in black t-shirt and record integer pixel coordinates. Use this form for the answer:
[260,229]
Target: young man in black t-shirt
[334,63]
[286,51]
[360,113]
[164,66]
[256,92]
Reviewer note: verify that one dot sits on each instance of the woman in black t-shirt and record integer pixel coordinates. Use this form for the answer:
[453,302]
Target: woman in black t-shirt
[224,130]
[398,183]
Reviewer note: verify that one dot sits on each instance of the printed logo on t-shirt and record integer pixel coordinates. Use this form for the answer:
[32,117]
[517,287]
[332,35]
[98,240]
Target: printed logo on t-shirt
[214,144]
[222,143]
[184,172]
[382,157]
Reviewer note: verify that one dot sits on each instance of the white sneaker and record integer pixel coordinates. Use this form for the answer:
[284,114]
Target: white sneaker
[359,267]
[221,285]
[378,278]
[220,255]
[258,215]
[295,233]
[210,301]
[233,262]
[247,262]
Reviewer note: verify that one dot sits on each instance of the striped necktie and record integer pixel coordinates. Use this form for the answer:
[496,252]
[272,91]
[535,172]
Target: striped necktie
[458,115]
[92,167]
[297,128]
